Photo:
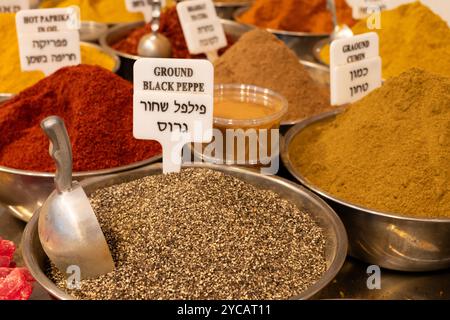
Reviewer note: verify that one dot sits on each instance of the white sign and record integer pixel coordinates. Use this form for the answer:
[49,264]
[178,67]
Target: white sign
[363,8]
[173,104]
[48,38]
[202,28]
[144,6]
[355,67]
[13,6]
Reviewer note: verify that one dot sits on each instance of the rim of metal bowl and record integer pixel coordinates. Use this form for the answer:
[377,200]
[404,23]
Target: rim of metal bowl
[132,25]
[292,132]
[6,96]
[236,3]
[112,55]
[334,220]
[242,10]
[100,28]
[317,48]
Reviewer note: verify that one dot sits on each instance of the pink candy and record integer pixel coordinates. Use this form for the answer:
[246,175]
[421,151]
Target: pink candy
[15,283]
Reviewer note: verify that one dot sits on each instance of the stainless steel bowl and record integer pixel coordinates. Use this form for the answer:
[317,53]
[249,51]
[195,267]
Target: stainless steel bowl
[301,43]
[91,30]
[226,9]
[318,72]
[318,48]
[22,192]
[336,239]
[113,35]
[389,240]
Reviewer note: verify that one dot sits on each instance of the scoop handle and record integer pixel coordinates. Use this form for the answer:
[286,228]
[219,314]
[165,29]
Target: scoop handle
[331,5]
[156,15]
[60,151]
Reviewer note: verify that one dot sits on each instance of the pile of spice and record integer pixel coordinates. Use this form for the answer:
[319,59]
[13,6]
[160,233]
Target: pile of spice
[106,11]
[97,107]
[410,36]
[202,234]
[390,151]
[296,15]
[170,27]
[259,58]
[12,79]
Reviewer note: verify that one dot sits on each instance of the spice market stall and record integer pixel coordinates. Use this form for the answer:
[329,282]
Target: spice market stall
[226,166]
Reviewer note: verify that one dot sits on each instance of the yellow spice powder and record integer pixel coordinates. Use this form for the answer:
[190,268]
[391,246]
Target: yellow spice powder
[106,11]
[12,79]
[390,151]
[410,36]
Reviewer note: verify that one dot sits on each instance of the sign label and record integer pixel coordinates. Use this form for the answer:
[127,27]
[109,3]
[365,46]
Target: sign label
[363,8]
[13,6]
[143,6]
[201,26]
[48,38]
[173,104]
[355,67]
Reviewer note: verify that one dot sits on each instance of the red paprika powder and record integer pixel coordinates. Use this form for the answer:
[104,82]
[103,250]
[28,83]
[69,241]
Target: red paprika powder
[97,107]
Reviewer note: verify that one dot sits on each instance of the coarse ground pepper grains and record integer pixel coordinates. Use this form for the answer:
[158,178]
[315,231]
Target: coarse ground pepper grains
[202,234]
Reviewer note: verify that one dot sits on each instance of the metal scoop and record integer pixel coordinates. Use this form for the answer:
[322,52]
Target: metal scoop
[154,44]
[340,31]
[68,228]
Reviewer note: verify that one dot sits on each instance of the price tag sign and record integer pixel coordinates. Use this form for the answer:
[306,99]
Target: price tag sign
[48,38]
[355,67]
[173,104]
[143,6]
[362,8]
[13,6]
[201,26]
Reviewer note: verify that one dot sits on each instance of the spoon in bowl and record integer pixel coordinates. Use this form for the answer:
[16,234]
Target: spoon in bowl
[154,44]
[68,228]
[339,31]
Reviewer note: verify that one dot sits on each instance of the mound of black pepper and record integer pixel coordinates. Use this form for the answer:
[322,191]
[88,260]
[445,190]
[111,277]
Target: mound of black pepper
[202,234]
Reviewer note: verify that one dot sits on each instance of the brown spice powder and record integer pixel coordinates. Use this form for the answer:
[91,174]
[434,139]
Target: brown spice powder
[260,59]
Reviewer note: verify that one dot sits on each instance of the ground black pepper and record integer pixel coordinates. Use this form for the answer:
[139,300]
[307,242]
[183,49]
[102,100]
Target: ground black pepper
[201,234]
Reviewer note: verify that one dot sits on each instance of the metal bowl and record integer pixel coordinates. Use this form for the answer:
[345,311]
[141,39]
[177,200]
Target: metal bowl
[301,43]
[91,30]
[226,9]
[389,240]
[318,48]
[336,239]
[22,192]
[113,35]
